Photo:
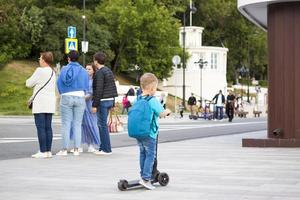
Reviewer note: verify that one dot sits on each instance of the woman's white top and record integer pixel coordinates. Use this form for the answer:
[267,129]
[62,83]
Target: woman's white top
[45,100]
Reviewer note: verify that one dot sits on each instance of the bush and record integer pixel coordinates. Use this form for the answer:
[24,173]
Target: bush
[263,83]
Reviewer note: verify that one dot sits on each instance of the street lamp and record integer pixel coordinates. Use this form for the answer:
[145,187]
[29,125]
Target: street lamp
[84,41]
[192,9]
[201,63]
[244,71]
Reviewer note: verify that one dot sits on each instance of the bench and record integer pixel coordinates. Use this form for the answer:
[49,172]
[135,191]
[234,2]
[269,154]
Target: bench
[242,114]
[257,113]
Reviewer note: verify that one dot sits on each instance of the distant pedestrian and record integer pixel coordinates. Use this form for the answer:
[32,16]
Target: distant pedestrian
[162,100]
[219,102]
[148,144]
[139,91]
[104,93]
[131,91]
[192,103]
[72,84]
[230,101]
[125,104]
[43,81]
[181,109]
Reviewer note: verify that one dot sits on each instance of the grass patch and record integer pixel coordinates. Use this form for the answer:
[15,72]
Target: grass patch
[13,93]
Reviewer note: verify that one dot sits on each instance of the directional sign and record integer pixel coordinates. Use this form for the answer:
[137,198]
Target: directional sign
[71,44]
[71,32]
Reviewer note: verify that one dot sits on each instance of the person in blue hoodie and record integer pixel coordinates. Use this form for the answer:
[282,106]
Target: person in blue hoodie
[72,83]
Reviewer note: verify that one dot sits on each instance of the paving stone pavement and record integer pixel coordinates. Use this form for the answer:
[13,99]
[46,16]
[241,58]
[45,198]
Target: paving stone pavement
[215,168]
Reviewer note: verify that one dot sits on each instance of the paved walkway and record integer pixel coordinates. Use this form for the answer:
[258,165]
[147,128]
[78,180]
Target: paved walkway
[215,168]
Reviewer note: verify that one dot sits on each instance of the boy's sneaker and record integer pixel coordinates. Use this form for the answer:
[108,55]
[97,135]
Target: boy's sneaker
[62,153]
[102,153]
[40,155]
[146,184]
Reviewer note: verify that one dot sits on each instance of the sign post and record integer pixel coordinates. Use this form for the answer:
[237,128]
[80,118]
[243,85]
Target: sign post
[176,61]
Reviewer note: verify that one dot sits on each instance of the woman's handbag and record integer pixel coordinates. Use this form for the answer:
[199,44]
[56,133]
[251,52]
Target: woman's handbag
[114,123]
[30,101]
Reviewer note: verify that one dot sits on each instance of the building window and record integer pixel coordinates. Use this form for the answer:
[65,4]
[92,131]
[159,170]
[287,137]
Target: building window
[214,60]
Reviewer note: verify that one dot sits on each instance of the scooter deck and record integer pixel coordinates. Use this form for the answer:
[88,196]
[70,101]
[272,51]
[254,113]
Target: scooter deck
[162,179]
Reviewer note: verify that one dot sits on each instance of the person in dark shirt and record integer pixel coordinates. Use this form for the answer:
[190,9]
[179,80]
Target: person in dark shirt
[192,103]
[104,93]
[230,106]
[130,92]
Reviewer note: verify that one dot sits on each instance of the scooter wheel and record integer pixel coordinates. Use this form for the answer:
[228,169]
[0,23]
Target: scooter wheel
[122,185]
[163,179]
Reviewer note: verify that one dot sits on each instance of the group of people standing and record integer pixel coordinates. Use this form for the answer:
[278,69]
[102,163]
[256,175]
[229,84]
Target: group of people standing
[219,101]
[87,95]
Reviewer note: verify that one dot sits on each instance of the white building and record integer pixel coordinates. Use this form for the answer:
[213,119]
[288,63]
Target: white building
[213,73]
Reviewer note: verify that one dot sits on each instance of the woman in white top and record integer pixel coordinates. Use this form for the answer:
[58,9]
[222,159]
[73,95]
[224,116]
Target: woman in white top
[43,81]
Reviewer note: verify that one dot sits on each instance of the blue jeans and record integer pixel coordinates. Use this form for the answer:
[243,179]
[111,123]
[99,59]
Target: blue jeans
[43,123]
[147,156]
[72,109]
[219,111]
[102,115]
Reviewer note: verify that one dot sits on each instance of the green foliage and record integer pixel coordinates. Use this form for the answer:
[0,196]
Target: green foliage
[13,93]
[33,22]
[143,34]
[12,39]
[133,33]
[263,83]
[224,25]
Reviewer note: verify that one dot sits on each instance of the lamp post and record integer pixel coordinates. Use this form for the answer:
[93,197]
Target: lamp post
[192,9]
[244,71]
[201,63]
[84,39]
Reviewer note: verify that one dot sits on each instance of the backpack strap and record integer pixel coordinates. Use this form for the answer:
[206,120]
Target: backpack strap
[147,98]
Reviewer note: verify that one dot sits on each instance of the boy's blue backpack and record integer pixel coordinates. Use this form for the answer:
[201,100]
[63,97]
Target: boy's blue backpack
[140,118]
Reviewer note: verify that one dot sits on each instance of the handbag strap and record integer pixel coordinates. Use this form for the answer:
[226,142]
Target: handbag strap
[110,117]
[118,119]
[43,86]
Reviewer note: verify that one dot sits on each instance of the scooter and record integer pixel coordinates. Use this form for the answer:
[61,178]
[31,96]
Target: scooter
[161,177]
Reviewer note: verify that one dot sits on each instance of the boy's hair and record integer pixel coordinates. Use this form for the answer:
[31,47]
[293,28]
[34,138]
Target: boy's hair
[148,80]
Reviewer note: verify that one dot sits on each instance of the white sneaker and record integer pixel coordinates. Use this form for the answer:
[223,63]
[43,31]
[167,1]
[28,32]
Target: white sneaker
[76,153]
[147,184]
[80,149]
[62,153]
[91,149]
[49,154]
[102,153]
[40,155]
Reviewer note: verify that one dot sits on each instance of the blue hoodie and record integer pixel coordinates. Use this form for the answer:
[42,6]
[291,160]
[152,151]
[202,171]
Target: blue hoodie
[73,77]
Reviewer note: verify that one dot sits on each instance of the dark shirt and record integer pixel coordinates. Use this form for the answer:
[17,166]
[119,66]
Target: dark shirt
[130,92]
[192,101]
[230,97]
[104,86]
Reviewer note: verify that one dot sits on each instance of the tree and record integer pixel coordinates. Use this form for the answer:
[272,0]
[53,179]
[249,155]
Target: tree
[12,39]
[144,34]
[224,25]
